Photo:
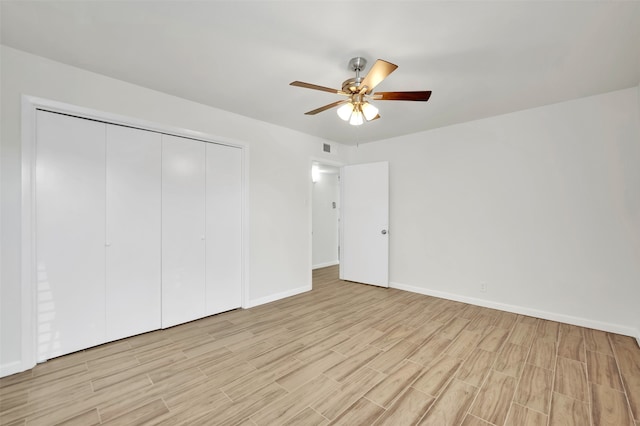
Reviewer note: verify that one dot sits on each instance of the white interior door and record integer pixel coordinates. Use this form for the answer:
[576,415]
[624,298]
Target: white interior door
[70,234]
[183,230]
[133,231]
[364,248]
[224,228]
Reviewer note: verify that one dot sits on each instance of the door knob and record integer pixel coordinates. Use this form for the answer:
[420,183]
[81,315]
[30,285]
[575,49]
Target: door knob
[384,232]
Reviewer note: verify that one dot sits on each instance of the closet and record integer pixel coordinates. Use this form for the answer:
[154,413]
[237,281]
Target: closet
[135,231]
[201,253]
[132,229]
[183,230]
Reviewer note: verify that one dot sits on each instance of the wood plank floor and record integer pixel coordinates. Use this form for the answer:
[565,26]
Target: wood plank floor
[343,353]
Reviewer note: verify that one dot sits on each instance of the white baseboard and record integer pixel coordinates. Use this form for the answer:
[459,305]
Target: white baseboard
[553,316]
[277,296]
[11,368]
[324,265]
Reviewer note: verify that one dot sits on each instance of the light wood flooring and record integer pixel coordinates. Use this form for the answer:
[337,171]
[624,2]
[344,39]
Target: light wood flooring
[343,353]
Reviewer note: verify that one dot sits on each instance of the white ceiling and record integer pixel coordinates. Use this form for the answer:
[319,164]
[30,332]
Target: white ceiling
[479,58]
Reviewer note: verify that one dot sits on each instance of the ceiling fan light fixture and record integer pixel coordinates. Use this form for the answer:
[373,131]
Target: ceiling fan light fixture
[356,118]
[344,112]
[369,111]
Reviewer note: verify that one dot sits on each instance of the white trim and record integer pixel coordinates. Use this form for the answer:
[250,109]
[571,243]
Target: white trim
[324,265]
[11,368]
[30,104]
[122,120]
[28,217]
[278,296]
[553,316]
[245,228]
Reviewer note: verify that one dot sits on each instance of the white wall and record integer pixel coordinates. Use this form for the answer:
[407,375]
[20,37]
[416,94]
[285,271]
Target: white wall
[325,220]
[280,258]
[543,205]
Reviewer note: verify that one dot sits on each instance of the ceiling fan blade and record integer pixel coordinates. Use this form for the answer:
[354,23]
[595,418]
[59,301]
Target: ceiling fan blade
[402,96]
[379,71]
[316,87]
[326,107]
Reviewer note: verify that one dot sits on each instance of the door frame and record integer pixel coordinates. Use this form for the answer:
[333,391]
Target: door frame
[28,269]
[332,163]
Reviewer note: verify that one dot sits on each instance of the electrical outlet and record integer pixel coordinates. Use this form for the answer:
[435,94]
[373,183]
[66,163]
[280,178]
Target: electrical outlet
[483,287]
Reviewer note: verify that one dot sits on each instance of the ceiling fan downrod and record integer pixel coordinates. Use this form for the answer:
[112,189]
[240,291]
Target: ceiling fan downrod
[356,64]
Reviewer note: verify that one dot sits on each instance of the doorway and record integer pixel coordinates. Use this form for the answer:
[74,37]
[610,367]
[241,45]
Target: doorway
[349,221]
[325,215]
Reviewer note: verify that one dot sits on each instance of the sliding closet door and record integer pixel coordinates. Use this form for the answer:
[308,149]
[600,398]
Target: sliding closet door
[70,234]
[224,228]
[183,230]
[133,232]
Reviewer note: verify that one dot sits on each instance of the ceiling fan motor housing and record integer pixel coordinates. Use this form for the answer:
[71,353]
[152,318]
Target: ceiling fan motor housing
[352,85]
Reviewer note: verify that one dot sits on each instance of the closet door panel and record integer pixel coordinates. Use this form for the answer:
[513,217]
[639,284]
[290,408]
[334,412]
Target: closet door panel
[133,229]
[224,228]
[183,230]
[70,231]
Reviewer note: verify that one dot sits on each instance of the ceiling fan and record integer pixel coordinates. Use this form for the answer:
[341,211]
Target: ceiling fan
[356,108]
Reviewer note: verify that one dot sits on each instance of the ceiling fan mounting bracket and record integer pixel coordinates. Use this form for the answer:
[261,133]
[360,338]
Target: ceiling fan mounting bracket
[357,64]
